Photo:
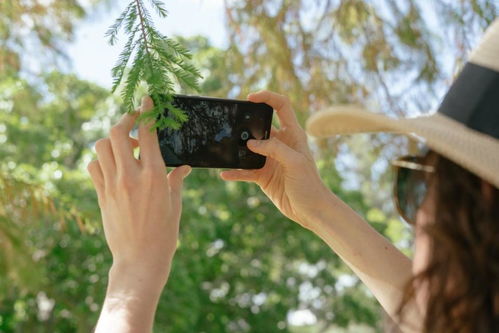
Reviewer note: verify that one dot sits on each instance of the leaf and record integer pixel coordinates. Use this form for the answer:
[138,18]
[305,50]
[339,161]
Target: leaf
[159,6]
[119,69]
[131,18]
[133,80]
[179,50]
[113,30]
[158,61]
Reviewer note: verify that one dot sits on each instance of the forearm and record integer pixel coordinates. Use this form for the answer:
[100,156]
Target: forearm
[130,302]
[380,265]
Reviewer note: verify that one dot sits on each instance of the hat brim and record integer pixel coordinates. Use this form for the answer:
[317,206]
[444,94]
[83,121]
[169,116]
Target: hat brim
[471,149]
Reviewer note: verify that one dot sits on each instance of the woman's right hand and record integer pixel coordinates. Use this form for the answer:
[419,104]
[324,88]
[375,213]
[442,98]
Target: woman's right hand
[289,178]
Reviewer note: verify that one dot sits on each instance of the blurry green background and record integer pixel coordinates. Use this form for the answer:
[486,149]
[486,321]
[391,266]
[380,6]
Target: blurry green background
[241,266]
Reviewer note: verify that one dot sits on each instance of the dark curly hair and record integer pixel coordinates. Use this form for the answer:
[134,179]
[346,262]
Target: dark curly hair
[462,272]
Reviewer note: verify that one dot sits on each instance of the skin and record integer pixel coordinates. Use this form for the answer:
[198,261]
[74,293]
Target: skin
[141,209]
[290,169]
[421,255]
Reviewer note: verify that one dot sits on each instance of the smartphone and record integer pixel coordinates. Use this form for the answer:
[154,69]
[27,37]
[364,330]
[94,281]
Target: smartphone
[216,133]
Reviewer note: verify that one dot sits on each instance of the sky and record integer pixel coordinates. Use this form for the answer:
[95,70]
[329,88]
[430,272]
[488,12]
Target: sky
[92,57]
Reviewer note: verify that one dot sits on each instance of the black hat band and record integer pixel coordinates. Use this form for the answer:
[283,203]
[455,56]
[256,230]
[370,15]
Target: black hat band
[473,99]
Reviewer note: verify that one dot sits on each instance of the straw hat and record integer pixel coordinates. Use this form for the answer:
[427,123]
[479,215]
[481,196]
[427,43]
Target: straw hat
[465,128]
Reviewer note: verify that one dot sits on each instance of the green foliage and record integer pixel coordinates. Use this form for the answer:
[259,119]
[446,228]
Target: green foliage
[155,59]
[241,266]
[383,53]
[240,263]
[51,249]
[38,25]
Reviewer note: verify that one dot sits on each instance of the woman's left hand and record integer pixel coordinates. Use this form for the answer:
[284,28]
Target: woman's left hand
[141,207]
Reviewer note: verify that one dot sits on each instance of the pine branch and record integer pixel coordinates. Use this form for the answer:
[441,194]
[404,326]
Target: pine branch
[157,60]
[160,8]
[113,30]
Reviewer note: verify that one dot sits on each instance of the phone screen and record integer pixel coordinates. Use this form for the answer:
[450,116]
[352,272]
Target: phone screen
[216,133]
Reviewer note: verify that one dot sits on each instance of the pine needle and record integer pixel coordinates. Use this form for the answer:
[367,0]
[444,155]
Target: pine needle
[154,59]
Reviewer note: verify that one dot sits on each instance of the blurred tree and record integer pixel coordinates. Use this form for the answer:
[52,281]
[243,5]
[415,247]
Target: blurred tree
[329,52]
[32,214]
[395,57]
[241,266]
[391,56]
[36,26]
[54,264]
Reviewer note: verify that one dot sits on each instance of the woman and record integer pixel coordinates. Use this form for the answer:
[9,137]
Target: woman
[450,193]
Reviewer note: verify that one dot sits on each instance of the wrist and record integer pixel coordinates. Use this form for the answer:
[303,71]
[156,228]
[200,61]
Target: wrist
[131,300]
[133,280]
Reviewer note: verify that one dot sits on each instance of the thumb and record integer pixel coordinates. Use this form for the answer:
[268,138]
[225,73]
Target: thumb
[275,149]
[176,180]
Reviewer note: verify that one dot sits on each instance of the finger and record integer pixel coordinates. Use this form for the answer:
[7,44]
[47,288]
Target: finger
[122,147]
[150,153]
[274,148]
[176,181]
[106,158]
[96,175]
[133,142]
[280,103]
[240,175]
[274,132]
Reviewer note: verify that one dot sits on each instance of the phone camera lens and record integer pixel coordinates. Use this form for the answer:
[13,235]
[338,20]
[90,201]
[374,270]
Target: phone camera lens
[244,135]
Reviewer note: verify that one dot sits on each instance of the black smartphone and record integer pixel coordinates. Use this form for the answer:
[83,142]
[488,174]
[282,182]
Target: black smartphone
[216,133]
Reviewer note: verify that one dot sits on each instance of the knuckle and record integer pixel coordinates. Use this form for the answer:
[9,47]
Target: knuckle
[265,95]
[92,165]
[126,182]
[153,173]
[274,142]
[158,163]
[272,145]
[115,132]
[283,101]
[270,142]
[101,144]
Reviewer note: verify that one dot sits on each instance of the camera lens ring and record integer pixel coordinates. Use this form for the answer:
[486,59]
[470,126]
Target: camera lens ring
[245,135]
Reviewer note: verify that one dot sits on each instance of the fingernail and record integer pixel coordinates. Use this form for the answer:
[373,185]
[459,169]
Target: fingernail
[146,103]
[250,95]
[188,171]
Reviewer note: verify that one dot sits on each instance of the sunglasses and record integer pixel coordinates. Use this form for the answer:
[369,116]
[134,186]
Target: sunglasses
[411,185]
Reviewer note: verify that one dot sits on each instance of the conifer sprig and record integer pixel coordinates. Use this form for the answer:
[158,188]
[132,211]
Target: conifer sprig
[155,59]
